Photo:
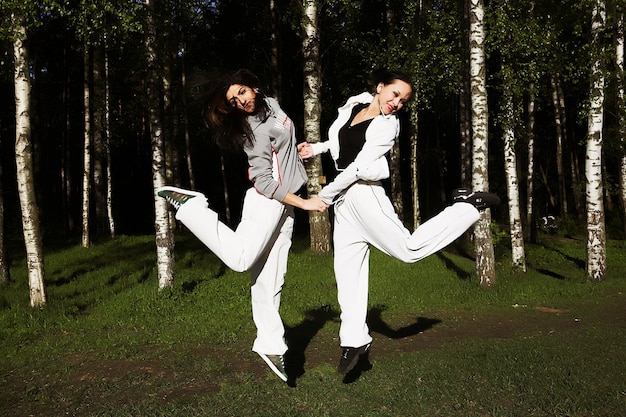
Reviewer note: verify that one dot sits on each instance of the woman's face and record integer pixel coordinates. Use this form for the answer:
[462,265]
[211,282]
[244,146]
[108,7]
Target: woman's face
[241,97]
[393,96]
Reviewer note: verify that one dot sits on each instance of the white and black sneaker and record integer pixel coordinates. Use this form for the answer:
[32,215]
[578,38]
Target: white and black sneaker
[177,196]
[478,199]
[350,357]
[276,364]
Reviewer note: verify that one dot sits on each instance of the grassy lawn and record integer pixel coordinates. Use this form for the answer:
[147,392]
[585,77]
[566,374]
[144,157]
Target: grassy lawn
[108,343]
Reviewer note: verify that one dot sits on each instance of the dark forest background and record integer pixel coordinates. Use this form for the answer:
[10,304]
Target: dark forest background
[355,37]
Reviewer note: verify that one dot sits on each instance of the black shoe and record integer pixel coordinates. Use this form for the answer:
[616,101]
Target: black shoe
[350,357]
[478,199]
[177,196]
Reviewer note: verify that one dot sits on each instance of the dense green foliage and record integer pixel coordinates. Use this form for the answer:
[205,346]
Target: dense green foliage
[538,40]
[108,343]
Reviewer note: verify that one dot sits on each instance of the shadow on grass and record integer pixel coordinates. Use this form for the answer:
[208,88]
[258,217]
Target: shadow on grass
[461,273]
[299,337]
[580,263]
[190,286]
[539,264]
[550,274]
[377,324]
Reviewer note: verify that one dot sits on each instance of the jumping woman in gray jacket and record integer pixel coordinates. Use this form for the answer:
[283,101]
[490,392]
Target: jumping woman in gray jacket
[242,118]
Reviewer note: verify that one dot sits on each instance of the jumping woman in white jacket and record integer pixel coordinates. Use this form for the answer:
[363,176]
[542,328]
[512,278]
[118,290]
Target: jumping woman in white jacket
[358,140]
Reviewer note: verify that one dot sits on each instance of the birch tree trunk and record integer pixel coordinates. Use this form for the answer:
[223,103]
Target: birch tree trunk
[276,75]
[107,144]
[485,257]
[164,235]
[318,222]
[24,165]
[596,234]
[394,154]
[530,184]
[86,149]
[414,165]
[465,131]
[621,112]
[396,180]
[510,167]
[414,135]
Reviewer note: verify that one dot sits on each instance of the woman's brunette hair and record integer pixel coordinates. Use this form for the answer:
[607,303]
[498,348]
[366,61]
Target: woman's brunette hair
[386,76]
[228,124]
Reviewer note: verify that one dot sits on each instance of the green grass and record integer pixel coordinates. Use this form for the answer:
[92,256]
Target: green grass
[542,343]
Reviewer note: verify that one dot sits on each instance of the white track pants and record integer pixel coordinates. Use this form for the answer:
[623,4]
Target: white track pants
[260,244]
[366,216]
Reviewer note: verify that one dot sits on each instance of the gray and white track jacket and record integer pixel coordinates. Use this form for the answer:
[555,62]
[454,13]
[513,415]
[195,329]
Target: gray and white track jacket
[275,166]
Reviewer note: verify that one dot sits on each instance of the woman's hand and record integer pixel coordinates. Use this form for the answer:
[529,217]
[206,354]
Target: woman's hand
[311,204]
[305,150]
[315,204]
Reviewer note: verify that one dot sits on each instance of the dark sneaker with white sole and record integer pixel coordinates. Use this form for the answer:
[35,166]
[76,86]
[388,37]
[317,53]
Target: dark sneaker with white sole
[479,199]
[276,364]
[350,357]
[177,196]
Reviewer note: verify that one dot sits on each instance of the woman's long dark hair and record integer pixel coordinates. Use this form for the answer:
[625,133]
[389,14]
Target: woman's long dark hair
[386,76]
[228,124]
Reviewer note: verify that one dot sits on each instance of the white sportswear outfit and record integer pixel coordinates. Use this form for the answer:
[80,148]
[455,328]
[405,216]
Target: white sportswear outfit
[364,215]
[262,240]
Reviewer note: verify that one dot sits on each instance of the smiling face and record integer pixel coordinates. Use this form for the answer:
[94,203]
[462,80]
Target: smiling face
[393,96]
[241,97]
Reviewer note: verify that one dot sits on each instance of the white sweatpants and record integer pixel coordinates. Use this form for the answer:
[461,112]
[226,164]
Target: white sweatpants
[366,216]
[260,244]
